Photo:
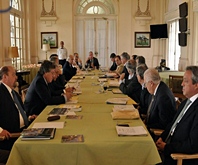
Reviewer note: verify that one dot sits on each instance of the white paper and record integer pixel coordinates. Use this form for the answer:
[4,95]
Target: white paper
[48,125]
[117,91]
[114,83]
[123,108]
[70,113]
[122,101]
[131,131]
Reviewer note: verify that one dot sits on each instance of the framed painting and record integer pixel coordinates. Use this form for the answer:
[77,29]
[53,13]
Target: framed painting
[50,38]
[142,40]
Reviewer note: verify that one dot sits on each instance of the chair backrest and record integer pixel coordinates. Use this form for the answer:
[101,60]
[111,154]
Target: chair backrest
[175,83]
[23,94]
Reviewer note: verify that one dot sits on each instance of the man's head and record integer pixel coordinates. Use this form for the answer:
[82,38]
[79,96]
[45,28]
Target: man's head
[140,60]
[140,69]
[151,80]
[125,57]
[112,57]
[190,81]
[47,69]
[8,76]
[131,67]
[90,55]
[54,59]
[70,59]
[62,44]
[76,57]
[118,60]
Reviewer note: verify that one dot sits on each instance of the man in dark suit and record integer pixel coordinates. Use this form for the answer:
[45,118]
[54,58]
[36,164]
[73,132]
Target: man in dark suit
[143,105]
[182,134]
[113,66]
[92,62]
[124,58]
[131,86]
[12,115]
[39,95]
[68,70]
[162,106]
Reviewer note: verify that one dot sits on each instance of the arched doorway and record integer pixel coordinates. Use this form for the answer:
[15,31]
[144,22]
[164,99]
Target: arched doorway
[96,29]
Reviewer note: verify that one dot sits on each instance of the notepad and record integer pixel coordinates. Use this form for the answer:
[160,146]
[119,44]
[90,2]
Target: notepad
[125,115]
[123,108]
[72,138]
[131,131]
[48,125]
[116,91]
[122,101]
[114,83]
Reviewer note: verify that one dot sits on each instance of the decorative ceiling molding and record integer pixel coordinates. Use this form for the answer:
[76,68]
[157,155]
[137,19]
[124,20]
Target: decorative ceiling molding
[140,13]
[48,18]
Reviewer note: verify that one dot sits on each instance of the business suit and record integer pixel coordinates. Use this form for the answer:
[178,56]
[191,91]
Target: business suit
[68,71]
[132,88]
[163,108]
[125,71]
[113,67]
[39,96]
[9,116]
[144,97]
[185,136]
[93,61]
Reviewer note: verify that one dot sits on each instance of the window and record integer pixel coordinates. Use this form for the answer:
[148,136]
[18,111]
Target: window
[173,45]
[16,30]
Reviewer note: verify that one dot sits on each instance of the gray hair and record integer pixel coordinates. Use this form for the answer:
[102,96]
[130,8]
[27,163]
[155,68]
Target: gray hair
[125,55]
[131,66]
[152,74]
[140,69]
[194,70]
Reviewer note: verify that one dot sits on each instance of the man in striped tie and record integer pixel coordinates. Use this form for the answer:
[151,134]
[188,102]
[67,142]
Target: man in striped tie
[181,136]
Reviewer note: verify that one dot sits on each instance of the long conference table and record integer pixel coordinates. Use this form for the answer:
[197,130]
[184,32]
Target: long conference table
[101,146]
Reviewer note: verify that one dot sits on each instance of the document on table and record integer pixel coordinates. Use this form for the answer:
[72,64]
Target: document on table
[131,131]
[125,115]
[123,108]
[116,91]
[48,125]
[122,101]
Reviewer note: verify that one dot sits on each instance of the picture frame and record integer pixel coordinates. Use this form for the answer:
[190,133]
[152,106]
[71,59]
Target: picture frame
[142,40]
[50,38]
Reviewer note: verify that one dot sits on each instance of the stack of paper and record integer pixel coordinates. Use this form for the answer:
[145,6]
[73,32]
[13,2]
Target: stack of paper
[71,107]
[102,80]
[117,91]
[121,101]
[111,75]
[131,131]
[123,108]
[114,83]
[125,115]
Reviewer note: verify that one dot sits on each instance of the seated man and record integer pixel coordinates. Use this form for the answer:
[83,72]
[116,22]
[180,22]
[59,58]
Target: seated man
[113,66]
[77,60]
[68,70]
[162,106]
[92,62]
[124,58]
[131,86]
[12,115]
[143,106]
[119,65]
[182,134]
[39,95]
[140,60]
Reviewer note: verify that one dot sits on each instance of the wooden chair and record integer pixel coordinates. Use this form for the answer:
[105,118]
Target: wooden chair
[175,86]
[179,157]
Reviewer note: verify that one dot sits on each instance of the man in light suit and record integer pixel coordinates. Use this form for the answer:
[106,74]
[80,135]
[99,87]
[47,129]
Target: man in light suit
[131,86]
[11,118]
[162,106]
[183,138]
[39,95]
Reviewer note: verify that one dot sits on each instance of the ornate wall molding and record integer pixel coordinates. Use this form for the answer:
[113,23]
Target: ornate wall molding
[48,18]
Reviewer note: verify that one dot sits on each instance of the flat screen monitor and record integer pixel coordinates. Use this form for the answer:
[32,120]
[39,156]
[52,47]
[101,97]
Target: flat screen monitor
[158,31]
[183,24]
[183,9]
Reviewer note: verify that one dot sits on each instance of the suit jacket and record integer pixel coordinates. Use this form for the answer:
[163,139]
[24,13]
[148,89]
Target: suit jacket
[56,87]
[132,88]
[144,97]
[125,71]
[163,108]
[113,67]
[95,63]
[39,96]
[9,116]
[68,71]
[184,138]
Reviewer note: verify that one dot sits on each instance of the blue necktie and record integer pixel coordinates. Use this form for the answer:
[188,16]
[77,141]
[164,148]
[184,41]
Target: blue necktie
[149,109]
[20,108]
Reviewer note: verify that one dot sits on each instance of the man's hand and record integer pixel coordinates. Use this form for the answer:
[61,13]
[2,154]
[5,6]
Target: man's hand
[70,89]
[160,144]
[68,95]
[6,134]
[122,76]
[32,117]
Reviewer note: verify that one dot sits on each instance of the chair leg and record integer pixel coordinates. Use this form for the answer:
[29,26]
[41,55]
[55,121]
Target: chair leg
[179,161]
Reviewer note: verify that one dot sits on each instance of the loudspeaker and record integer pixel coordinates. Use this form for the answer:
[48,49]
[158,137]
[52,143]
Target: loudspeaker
[182,39]
[183,24]
[183,9]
